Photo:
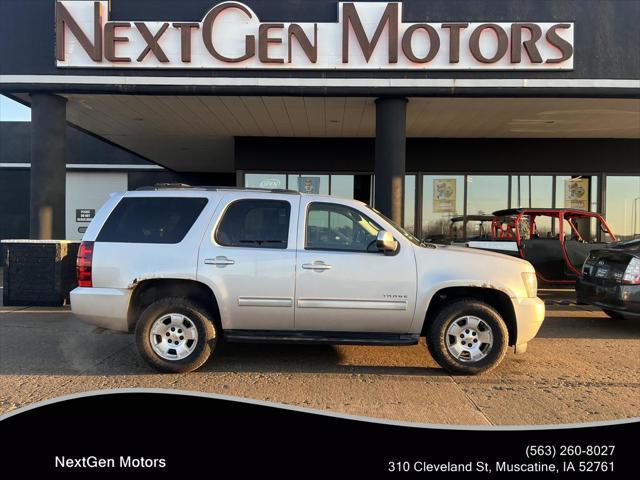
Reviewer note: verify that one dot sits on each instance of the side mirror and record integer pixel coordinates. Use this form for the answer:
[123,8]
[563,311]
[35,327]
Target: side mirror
[385,242]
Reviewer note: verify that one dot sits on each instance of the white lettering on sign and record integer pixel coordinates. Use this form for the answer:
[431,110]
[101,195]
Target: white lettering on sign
[85,214]
[368,35]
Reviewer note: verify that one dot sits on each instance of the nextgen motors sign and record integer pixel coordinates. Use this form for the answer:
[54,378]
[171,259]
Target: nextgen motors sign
[368,35]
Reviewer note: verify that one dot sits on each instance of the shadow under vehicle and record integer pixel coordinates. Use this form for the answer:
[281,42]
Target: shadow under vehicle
[555,241]
[611,280]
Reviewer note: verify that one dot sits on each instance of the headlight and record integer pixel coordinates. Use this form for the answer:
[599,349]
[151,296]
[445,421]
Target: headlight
[530,283]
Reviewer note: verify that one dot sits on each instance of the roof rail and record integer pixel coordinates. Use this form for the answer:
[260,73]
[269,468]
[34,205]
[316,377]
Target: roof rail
[184,186]
[164,186]
[263,190]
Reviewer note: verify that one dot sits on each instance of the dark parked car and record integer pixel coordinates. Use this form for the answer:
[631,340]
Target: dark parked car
[611,280]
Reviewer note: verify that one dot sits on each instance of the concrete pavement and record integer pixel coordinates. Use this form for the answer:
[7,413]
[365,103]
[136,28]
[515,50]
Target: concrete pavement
[582,367]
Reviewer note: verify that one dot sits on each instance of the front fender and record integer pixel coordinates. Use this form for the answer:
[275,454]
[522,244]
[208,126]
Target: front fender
[447,267]
[427,294]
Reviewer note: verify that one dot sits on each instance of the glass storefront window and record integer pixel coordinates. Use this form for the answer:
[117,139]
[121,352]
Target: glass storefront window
[410,203]
[579,192]
[309,183]
[442,200]
[623,206]
[531,191]
[486,193]
[534,191]
[342,186]
[265,180]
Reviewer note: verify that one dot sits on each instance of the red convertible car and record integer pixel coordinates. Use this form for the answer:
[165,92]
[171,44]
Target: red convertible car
[555,241]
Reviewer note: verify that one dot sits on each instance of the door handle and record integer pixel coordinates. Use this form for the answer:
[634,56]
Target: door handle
[219,261]
[318,265]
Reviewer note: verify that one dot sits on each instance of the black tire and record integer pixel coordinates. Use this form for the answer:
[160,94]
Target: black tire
[613,314]
[204,324]
[437,337]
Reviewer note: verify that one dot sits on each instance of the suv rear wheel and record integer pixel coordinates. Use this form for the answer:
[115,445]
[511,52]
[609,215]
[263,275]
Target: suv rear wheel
[468,337]
[175,335]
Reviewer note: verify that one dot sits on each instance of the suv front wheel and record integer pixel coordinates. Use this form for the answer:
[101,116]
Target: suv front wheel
[175,335]
[468,337]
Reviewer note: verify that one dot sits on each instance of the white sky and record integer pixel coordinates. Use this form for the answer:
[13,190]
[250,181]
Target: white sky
[11,111]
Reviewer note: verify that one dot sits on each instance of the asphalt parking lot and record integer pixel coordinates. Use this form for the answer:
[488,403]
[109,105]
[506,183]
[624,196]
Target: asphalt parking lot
[582,367]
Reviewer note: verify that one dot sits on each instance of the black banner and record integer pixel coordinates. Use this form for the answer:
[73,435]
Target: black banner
[179,434]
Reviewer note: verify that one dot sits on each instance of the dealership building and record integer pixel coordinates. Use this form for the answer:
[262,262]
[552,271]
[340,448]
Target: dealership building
[426,109]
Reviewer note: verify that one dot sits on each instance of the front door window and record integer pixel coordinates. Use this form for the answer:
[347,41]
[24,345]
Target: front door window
[338,227]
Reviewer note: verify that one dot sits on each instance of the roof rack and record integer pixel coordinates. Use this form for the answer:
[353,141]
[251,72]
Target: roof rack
[184,186]
[164,186]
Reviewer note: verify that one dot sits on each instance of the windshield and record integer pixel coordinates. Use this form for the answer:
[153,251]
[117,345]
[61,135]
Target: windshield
[404,233]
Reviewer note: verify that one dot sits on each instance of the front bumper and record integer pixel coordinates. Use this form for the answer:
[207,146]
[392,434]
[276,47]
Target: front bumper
[609,295]
[529,317]
[104,307]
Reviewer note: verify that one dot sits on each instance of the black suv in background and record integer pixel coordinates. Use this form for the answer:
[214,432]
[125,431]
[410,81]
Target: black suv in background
[611,280]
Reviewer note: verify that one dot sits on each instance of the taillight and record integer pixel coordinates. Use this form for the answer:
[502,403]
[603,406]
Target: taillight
[83,264]
[586,266]
[632,272]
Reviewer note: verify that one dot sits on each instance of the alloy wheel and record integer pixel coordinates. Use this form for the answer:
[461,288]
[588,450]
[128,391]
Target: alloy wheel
[469,339]
[173,336]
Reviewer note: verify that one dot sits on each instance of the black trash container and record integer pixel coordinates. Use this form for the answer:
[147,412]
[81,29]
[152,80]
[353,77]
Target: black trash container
[39,272]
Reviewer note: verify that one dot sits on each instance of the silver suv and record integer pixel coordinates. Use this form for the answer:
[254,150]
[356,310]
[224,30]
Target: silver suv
[186,267]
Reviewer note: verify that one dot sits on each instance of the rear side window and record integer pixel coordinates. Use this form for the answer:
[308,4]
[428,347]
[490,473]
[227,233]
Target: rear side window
[151,220]
[255,223]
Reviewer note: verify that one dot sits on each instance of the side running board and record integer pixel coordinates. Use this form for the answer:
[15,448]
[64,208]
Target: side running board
[313,337]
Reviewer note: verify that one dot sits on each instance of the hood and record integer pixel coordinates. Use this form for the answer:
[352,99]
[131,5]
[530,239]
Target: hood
[476,253]
[469,267]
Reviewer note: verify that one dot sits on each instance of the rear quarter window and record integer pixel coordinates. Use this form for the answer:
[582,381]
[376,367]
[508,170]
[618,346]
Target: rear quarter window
[151,220]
